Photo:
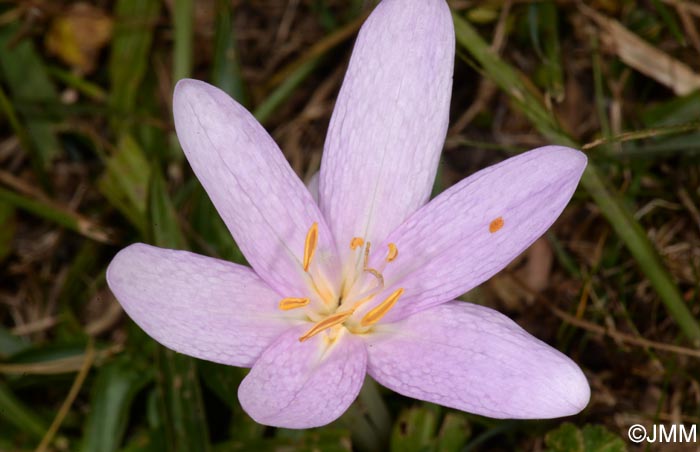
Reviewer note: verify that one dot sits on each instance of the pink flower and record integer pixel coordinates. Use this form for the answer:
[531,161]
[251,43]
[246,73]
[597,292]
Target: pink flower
[363,281]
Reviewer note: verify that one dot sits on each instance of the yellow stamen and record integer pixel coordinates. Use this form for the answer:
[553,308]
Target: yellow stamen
[356,242]
[328,322]
[496,225]
[310,245]
[393,252]
[380,311]
[287,304]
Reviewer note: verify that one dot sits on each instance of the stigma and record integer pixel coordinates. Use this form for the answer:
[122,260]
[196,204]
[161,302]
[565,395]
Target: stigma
[336,312]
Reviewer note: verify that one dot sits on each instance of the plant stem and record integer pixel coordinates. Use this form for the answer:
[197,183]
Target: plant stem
[376,409]
[368,419]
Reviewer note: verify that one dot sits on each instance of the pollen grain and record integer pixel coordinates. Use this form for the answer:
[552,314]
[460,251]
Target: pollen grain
[496,225]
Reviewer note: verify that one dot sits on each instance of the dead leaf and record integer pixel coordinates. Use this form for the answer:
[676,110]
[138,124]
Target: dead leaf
[642,56]
[78,35]
[538,268]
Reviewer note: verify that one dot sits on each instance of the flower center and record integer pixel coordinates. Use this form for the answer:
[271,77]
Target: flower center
[353,294]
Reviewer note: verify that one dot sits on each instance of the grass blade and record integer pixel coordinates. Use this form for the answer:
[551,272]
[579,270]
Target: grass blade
[292,75]
[281,93]
[165,227]
[28,82]
[14,411]
[57,214]
[133,35]
[181,400]
[619,217]
[183,13]
[178,384]
[70,398]
[114,389]
[226,69]
[125,181]
[544,29]
[8,227]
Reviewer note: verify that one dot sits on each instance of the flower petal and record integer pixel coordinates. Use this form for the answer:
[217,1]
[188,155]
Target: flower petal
[197,305]
[304,384]
[474,229]
[474,359]
[390,120]
[312,186]
[264,204]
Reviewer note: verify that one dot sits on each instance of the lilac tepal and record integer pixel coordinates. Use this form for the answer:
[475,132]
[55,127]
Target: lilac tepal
[364,280]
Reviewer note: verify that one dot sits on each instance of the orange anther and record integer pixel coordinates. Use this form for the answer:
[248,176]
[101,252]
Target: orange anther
[328,322]
[287,304]
[310,245]
[356,242]
[380,311]
[393,252]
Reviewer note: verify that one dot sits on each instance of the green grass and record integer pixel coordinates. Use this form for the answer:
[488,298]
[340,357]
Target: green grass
[89,164]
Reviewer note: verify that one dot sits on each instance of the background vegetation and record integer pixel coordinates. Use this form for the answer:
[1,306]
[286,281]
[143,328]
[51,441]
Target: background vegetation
[89,163]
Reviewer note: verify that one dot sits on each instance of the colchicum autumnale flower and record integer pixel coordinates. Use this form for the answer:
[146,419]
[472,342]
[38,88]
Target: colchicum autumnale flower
[360,277]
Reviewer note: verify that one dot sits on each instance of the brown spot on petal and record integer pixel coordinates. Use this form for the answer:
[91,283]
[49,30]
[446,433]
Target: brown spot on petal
[496,225]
